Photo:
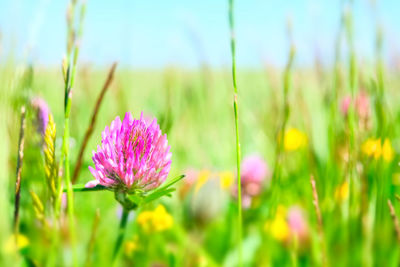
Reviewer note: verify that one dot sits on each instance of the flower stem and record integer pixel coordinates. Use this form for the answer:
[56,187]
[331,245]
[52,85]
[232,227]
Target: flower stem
[121,233]
[235,109]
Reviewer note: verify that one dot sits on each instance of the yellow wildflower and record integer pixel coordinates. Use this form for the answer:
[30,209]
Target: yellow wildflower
[162,220]
[342,192]
[203,177]
[387,151]
[372,148]
[226,179]
[144,218]
[131,246]
[278,227]
[157,220]
[294,139]
[12,243]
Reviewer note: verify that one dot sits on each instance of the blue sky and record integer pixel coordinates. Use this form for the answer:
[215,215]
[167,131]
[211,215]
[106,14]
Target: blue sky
[156,33]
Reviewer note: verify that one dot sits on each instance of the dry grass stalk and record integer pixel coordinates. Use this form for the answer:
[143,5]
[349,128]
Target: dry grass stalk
[92,124]
[19,169]
[319,219]
[395,219]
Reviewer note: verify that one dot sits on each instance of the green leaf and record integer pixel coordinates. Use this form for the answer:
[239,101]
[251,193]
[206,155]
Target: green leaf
[173,181]
[163,191]
[155,195]
[82,188]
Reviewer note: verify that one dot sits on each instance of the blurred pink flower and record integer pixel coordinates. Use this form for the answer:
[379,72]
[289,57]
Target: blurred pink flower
[297,223]
[133,155]
[42,111]
[362,105]
[345,104]
[254,169]
[254,173]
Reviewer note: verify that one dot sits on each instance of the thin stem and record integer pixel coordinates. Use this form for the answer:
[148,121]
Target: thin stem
[286,113]
[92,240]
[319,220]
[193,245]
[18,172]
[69,78]
[335,88]
[352,115]
[92,124]
[121,234]
[293,250]
[235,109]
[70,199]
[287,83]
[394,219]
[380,88]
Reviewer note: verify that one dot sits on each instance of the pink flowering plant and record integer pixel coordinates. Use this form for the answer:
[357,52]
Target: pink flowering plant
[133,161]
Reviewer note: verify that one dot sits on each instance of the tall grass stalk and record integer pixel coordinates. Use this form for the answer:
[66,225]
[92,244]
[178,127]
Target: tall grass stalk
[20,157]
[336,84]
[352,85]
[287,80]
[92,124]
[287,84]
[380,85]
[69,70]
[370,223]
[235,110]
[92,240]
[194,246]
[395,220]
[319,221]
[5,207]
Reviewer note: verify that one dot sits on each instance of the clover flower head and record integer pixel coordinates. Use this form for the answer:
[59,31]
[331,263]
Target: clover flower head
[133,155]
